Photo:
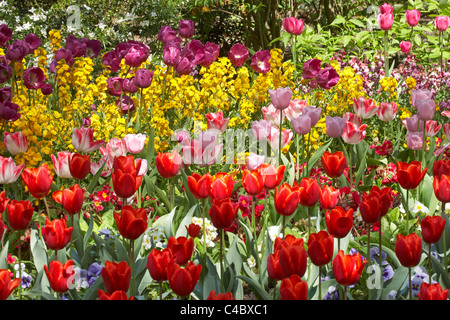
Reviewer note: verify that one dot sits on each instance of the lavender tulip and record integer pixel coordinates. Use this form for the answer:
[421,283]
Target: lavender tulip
[301,124]
[335,126]
[280,97]
[261,129]
[314,113]
[426,109]
[414,140]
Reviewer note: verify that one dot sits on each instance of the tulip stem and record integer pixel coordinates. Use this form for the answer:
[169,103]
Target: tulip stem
[368,242]
[410,285]
[320,283]
[46,207]
[133,275]
[221,257]
[204,226]
[171,194]
[254,223]
[429,258]
[20,265]
[386,61]
[279,137]
[160,290]
[444,242]
[407,211]
[297,174]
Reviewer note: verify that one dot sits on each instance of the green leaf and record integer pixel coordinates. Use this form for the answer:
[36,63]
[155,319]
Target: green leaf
[3,256]
[94,181]
[181,231]
[339,20]
[316,156]
[38,250]
[256,288]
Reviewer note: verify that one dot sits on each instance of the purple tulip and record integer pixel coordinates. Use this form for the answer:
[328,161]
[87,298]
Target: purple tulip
[260,61]
[426,109]
[5,94]
[184,67]
[9,111]
[413,124]
[414,140]
[311,68]
[5,34]
[327,78]
[280,97]
[93,47]
[46,89]
[143,78]
[17,50]
[114,86]
[33,41]
[166,34]
[194,51]
[172,54]
[301,124]
[261,129]
[420,94]
[127,104]
[335,126]
[137,54]
[314,113]
[66,55]
[129,86]
[111,61]
[238,55]
[75,46]
[33,78]
[5,72]
[186,28]
[211,54]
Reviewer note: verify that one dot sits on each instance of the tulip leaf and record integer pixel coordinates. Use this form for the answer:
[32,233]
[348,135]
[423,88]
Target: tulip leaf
[316,156]
[3,256]
[181,231]
[38,250]
[256,288]
[94,181]
[396,283]
[77,236]
[92,292]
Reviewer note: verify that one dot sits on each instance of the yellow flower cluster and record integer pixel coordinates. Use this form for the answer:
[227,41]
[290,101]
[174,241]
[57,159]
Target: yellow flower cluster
[55,39]
[389,85]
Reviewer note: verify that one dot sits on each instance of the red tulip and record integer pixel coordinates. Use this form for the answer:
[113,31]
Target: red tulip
[329,197]
[199,185]
[334,164]
[168,164]
[182,249]
[221,186]
[309,192]
[408,249]
[409,175]
[79,165]
[347,269]
[273,266]
[441,186]
[253,182]
[293,259]
[157,262]
[221,296]
[116,276]
[116,295]
[131,222]
[432,292]
[3,201]
[222,213]
[182,281]
[339,222]
[193,230]
[38,180]
[72,199]
[60,276]
[432,228]
[320,248]
[56,234]
[441,167]
[286,199]
[375,204]
[293,288]
[272,176]
[19,213]
[7,285]
[125,176]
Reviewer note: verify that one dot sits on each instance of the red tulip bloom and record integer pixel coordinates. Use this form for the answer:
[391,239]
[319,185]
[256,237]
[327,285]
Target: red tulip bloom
[293,259]
[182,281]
[375,204]
[408,249]
[441,186]
[116,295]
[199,185]
[116,276]
[222,213]
[286,199]
[441,167]
[60,276]
[334,164]
[272,176]
[131,222]
[168,164]
[193,230]
[157,262]
[253,182]
[273,266]
[56,234]
[7,285]
[329,197]
[222,185]
[38,180]
[339,222]
[320,248]
[432,292]
[347,269]
[72,199]
[182,249]
[3,201]
[409,175]
[432,228]
[309,192]
[79,165]
[221,296]
[125,176]
[293,288]
[19,213]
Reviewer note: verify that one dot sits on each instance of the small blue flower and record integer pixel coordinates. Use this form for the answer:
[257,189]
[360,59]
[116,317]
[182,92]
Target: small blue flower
[332,293]
[388,273]
[392,295]
[375,255]
[93,272]
[105,233]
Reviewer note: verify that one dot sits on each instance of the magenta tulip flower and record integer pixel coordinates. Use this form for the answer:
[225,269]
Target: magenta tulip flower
[327,78]
[211,53]
[9,111]
[93,47]
[33,78]
[385,21]
[17,50]
[260,61]
[311,68]
[143,78]
[405,46]
[5,34]
[5,72]
[166,34]
[412,17]
[441,23]
[293,25]
[238,55]
[33,41]
[186,28]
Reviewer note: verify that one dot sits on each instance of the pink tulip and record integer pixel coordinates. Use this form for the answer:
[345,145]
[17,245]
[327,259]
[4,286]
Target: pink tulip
[217,121]
[143,78]
[114,148]
[335,126]
[420,94]
[405,46]
[354,134]
[135,143]
[271,114]
[295,109]
[83,140]
[260,61]
[301,124]
[211,54]
[364,107]
[386,8]
[281,97]
[166,34]
[254,161]
[107,167]
[447,130]
[387,111]
[238,54]
[61,164]
[172,54]
[385,21]
[186,28]
[414,140]
[413,124]
[432,128]
[261,129]
[15,142]
[9,171]
[412,17]
[426,109]
[441,23]
[286,137]
[293,26]
[114,86]
[314,113]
